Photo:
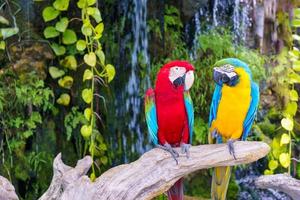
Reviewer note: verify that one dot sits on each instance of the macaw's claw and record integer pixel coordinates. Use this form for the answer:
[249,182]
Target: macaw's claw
[185,148]
[231,147]
[167,147]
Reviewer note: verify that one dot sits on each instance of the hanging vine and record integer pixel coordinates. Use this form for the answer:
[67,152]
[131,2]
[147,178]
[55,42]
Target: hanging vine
[71,48]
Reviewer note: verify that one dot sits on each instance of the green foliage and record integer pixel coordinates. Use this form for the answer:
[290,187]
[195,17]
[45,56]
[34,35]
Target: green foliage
[286,74]
[23,101]
[74,49]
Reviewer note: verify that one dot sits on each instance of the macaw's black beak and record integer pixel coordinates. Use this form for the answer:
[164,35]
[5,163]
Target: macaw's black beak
[179,81]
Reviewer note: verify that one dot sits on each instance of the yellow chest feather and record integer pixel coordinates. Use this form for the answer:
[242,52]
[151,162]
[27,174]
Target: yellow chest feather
[233,107]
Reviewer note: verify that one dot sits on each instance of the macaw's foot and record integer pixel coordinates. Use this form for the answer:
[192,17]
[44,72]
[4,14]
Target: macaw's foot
[185,148]
[231,147]
[167,147]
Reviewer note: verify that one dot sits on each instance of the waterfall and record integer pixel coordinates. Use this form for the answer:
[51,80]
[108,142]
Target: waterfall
[195,44]
[241,20]
[133,88]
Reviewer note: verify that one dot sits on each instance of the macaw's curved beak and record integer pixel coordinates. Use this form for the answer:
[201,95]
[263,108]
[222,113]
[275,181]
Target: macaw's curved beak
[186,80]
[179,81]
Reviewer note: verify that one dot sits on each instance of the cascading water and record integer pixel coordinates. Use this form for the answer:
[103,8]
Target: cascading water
[241,20]
[133,88]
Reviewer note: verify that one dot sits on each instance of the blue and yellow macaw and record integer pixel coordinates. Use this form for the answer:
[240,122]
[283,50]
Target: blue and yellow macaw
[232,112]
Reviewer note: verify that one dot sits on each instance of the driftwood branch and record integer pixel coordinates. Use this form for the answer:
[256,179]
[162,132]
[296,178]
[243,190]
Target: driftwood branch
[152,174]
[7,190]
[281,182]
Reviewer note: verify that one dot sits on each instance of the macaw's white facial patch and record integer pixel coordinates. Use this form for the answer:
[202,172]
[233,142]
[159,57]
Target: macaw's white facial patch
[189,80]
[176,72]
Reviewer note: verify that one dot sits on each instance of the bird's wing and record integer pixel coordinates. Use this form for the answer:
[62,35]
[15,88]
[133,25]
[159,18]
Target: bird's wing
[252,110]
[190,113]
[214,107]
[150,113]
[215,103]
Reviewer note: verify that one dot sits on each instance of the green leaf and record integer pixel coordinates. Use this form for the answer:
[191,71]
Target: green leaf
[296,65]
[2,45]
[101,56]
[58,50]
[287,124]
[273,164]
[91,2]
[81,3]
[66,82]
[87,95]
[297,12]
[268,172]
[86,131]
[110,70]
[285,139]
[97,15]
[88,113]
[104,160]
[103,147]
[293,78]
[50,32]
[50,13]
[69,62]
[87,75]
[90,59]
[99,30]
[61,5]
[86,29]
[296,23]
[64,99]
[27,134]
[69,37]
[8,32]
[291,109]
[3,20]
[55,72]
[81,45]
[284,160]
[293,95]
[62,24]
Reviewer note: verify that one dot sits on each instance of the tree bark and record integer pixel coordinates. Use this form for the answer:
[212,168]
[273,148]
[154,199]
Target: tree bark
[7,190]
[152,174]
[281,182]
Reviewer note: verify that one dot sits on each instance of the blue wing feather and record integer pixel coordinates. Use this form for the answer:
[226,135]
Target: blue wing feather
[215,103]
[151,117]
[252,110]
[190,113]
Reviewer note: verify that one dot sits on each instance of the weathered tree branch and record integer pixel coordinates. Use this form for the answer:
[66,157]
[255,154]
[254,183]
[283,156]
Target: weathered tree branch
[7,190]
[280,182]
[152,174]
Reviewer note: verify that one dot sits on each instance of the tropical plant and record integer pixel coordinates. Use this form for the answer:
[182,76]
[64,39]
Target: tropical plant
[287,77]
[76,50]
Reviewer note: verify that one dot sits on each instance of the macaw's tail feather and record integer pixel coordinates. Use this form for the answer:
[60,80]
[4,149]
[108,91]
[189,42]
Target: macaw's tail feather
[220,181]
[176,191]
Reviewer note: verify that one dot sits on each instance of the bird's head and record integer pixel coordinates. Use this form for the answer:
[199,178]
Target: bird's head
[179,74]
[229,71]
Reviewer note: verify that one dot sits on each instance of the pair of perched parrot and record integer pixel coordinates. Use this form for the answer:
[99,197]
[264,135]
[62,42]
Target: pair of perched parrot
[170,115]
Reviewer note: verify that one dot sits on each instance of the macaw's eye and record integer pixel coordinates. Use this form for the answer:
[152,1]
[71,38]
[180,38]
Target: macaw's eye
[177,68]
[225,78]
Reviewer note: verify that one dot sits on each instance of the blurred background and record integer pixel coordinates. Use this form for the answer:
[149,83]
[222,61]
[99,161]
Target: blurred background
[45,86]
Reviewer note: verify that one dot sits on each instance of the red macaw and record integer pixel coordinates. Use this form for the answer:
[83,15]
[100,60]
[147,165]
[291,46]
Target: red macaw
[169,113]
